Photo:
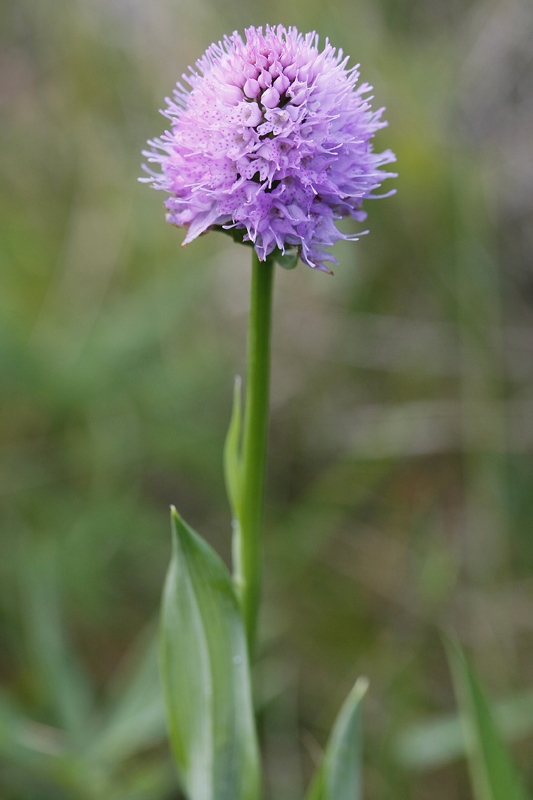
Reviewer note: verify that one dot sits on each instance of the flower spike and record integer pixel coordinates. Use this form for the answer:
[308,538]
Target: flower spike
[272,140]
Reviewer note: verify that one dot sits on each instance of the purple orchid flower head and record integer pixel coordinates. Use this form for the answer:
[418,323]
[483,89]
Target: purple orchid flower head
[271,142]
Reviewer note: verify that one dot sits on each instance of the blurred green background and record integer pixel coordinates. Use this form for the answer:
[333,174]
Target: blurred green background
[400,498]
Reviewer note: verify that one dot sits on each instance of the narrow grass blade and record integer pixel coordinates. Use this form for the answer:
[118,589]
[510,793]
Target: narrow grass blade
[440,740]
[494,776]
[339,775]
[29,744]
[135,719]
[205,674]
[63,681]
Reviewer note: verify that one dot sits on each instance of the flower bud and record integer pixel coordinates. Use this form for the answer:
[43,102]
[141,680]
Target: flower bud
[251,88]
[270,98]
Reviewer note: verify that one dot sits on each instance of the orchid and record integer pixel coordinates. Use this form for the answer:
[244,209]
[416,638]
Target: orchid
[272,144]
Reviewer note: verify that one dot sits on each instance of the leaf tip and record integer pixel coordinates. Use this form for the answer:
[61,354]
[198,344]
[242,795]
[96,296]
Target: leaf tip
[177,526]
[360,687]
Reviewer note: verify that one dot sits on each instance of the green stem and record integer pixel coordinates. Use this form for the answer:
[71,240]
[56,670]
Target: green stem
[248,540]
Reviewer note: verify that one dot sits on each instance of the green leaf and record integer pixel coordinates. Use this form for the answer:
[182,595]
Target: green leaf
[494,776]
[64,682]
[439,740]
[205,674]
[288,259]
[339,776]
[232,455]
[135,720]
[431,743]
[31,745]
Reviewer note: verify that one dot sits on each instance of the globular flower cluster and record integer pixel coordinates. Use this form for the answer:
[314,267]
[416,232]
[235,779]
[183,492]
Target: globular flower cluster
[273,139]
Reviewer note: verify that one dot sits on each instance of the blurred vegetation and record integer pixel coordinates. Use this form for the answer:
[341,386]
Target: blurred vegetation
[401,450]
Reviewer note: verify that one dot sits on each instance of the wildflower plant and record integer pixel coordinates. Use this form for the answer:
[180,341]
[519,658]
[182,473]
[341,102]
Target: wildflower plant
[272,143]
